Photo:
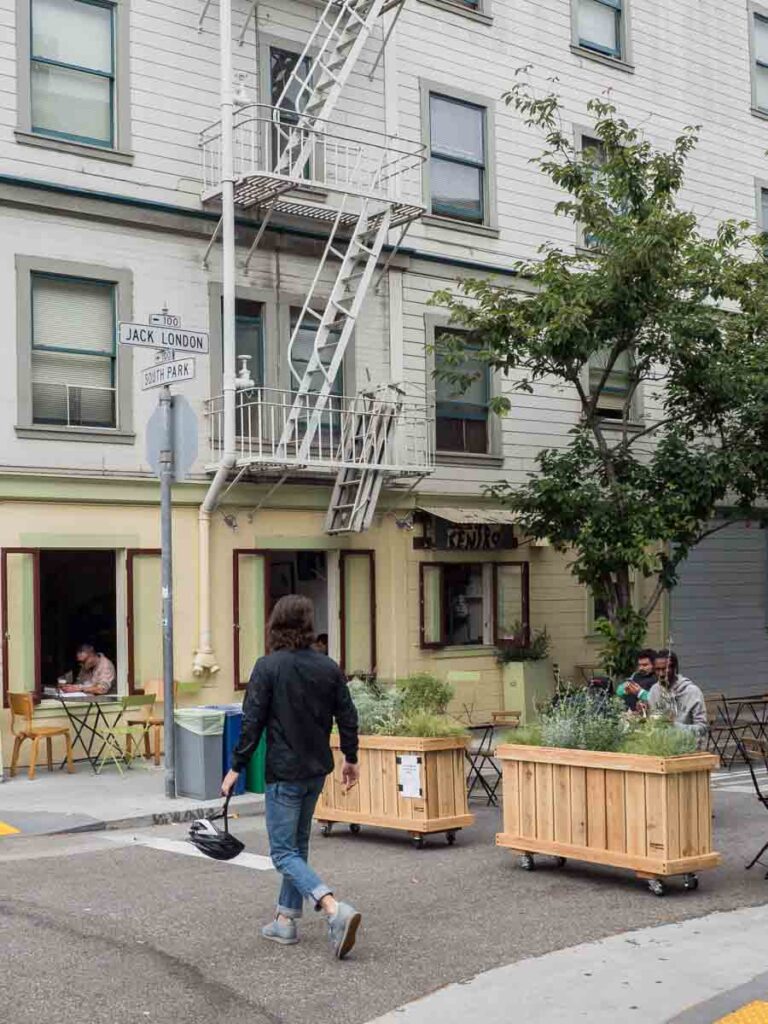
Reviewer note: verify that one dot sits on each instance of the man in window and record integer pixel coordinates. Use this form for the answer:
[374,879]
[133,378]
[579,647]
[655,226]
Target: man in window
[96,675]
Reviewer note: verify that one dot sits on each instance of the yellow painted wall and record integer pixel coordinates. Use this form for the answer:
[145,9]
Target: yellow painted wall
[557,601]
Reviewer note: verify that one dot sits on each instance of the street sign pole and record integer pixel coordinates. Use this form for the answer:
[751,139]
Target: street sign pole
[166,545]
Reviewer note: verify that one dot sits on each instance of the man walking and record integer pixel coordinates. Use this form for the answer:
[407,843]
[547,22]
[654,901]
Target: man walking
[295,693]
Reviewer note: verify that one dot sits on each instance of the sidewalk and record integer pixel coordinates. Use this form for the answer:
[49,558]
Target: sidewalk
[694,972]
[59,802]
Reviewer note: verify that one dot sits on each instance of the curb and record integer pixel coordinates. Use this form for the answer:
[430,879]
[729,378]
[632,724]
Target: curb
[247,809]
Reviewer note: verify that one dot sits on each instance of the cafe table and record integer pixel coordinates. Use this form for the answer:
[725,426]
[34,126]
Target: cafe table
[89,718]
[746,715]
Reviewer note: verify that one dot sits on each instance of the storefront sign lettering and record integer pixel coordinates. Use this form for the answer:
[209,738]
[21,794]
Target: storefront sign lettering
[474,537]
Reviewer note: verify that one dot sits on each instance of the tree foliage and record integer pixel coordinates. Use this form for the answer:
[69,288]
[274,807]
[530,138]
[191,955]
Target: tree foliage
[686,312]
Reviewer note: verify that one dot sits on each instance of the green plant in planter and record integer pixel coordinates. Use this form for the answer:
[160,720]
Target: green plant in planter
[579,720]
[522,647]
[424,692]
[659,739]
[413,707]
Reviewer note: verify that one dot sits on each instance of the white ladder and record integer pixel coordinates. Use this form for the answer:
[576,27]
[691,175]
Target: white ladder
[368,434]
[359,255]
[331,53]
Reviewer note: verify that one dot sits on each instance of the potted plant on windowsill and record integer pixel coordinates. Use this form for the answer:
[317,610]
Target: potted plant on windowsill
[528,681]
[593,783]
[411,757]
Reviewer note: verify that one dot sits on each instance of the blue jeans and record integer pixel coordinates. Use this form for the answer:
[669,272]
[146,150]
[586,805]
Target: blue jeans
[289,808]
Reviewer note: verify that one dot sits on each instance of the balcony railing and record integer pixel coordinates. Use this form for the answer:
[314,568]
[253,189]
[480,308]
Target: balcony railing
[347,434]
[273,154]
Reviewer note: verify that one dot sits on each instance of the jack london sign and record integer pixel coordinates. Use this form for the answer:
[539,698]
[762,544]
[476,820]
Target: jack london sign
[178,339]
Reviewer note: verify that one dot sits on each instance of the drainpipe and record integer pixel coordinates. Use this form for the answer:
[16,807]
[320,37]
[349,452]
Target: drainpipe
[205,659]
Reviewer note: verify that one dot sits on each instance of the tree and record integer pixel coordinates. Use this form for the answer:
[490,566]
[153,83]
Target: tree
[652,303]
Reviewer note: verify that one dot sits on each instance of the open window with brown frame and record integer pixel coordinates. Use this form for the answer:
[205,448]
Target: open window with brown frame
[472,603]
[53,600]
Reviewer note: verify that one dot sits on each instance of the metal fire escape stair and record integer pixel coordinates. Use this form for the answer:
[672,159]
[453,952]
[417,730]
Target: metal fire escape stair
[357,487]
[359,255]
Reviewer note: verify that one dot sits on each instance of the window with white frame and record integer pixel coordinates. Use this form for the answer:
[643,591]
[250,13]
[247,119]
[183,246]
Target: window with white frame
[760,62]
[599,26]
[461,407]
[73,357]
[281,67]
[458,157]
[615,391]
[72,70]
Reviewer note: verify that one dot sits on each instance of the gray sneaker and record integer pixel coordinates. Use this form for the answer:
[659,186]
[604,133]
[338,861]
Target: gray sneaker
[342,930]
[285,934]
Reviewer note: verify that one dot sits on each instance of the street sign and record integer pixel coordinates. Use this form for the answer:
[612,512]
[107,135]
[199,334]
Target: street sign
[179,339]
[168,372]
[184,438]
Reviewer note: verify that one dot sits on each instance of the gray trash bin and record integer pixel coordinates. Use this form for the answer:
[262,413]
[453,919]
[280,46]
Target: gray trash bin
[198,735]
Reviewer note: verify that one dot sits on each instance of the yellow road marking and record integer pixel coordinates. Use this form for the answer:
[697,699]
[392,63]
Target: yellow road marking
[752,1013]
[8,830]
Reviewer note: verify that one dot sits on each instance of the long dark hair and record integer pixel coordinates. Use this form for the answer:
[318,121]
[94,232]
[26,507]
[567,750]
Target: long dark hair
[291,625]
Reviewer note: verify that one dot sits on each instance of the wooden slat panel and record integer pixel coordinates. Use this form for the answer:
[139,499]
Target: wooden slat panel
[606,759]
[511,782]
[444,783]
[545,814]
[389,783]
[615,812]
[636,814]
[689,816]
[578,779]
[654,811]
[375,781]
[596,809]
[431,782]
[459,782]
[704,802]
[672,816]
[528,800]
[562,801]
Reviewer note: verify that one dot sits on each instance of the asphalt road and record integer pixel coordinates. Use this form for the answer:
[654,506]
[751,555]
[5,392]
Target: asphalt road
[94,931]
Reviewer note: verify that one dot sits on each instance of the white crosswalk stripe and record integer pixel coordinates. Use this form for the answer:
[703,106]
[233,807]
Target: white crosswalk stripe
[254,861]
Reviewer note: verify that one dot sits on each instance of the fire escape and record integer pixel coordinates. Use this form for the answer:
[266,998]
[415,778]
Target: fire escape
[261,156]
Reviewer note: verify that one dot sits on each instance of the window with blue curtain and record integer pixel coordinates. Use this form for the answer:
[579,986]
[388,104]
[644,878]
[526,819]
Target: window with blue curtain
[457,166]
[599,26]
[73,351]
[760,49]
[73,70]
[461,410]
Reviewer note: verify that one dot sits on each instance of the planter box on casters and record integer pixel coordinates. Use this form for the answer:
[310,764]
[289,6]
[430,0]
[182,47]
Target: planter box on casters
[377,798]
[652,815]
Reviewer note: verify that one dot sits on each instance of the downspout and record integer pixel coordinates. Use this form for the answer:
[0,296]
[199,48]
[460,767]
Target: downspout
[205,659]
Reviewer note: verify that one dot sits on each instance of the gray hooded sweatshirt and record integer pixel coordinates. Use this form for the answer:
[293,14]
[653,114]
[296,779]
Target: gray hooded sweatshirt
[687,701]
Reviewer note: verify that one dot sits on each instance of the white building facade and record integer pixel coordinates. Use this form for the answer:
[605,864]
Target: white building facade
[104,219]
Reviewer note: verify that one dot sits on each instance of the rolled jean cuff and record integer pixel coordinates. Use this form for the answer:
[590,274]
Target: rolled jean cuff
[318,893]
[289,912]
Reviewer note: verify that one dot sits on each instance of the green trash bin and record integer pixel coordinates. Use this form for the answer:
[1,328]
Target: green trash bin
[254,773]
[198,738]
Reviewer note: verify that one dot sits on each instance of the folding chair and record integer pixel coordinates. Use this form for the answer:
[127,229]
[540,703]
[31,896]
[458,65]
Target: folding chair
[719,729]
[755,751]
[154,717]
[131,731]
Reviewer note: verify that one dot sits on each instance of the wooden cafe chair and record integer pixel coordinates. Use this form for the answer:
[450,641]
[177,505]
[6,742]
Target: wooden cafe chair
[154,718]
[22,707]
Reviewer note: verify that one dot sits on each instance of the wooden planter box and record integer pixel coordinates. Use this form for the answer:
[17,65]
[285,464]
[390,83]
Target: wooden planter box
[377,799]
[651,815]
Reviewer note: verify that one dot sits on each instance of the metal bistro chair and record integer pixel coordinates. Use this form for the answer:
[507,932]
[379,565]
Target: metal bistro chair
[22,706]
[720,731]
[755,751]
[154,716]
[111,749]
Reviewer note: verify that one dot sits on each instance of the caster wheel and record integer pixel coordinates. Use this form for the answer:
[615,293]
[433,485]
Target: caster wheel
[418,842]
[326,828]
[354,828]
[527,863]
[656,886]
[560,862]
[690,882]
[450,838]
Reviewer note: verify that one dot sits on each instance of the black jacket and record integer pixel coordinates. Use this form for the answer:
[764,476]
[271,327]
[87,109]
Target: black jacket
[296,695]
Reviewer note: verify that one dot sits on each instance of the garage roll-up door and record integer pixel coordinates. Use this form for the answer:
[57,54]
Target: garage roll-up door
[719,612]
